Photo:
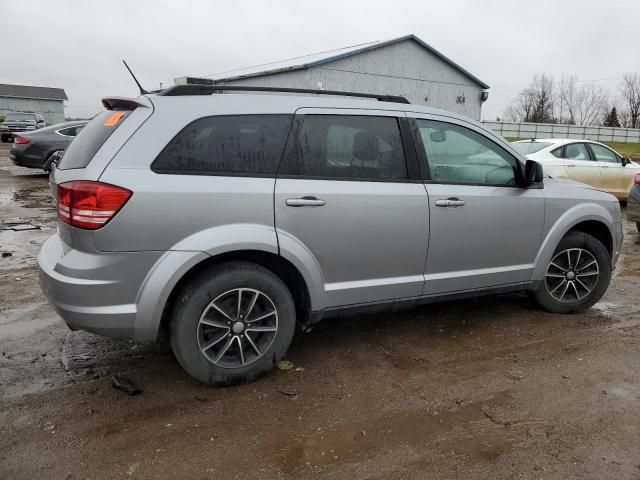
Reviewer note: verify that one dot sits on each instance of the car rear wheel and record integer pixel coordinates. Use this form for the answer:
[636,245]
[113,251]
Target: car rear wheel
[232,324]
[638,226]
[577,276]
[47,164]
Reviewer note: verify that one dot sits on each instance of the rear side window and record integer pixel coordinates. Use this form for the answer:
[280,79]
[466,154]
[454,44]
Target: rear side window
[89,141]
[347,147]
[236,145]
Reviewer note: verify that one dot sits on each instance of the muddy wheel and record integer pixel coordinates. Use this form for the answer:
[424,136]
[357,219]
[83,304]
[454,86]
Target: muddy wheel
[232,324]
[577,276]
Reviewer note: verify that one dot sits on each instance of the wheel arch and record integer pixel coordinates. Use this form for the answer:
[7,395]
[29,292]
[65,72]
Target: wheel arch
[592,219]
[284,269]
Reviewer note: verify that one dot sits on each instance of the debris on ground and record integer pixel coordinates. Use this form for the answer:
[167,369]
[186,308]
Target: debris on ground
[289,393]
[6,254]
[125,385]
[18,227]
[285,365]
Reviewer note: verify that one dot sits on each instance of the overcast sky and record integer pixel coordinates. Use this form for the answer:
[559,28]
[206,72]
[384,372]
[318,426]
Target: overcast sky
[78,45]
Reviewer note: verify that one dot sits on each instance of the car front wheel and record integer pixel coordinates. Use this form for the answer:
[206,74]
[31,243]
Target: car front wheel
[577,276]
[232,324]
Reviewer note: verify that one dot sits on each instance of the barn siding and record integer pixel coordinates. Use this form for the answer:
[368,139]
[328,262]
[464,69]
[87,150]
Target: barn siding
[52,110]
[404,68]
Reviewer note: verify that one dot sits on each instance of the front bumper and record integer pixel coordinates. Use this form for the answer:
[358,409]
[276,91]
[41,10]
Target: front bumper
[95,292]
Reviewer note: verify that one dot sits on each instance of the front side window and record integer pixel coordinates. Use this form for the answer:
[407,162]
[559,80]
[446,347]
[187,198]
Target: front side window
[456,154]
[346,147]
[603,154]
[576,151]
[558,152]
[235,144]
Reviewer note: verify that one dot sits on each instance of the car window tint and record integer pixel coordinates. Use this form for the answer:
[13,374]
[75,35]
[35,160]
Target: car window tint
[576,151]
[603,154]
[456,154]
[237,144]
[96,132]
[348,147]
[69,132]
[557,152]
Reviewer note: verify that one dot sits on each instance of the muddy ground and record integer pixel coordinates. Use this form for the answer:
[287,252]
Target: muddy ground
[485,388]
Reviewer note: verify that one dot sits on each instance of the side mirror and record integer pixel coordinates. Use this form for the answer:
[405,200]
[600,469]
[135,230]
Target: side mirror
[533,172]
[625,161]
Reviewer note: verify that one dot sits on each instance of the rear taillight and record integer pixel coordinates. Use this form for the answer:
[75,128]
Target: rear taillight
[21,140]
[636,179]
[89,205]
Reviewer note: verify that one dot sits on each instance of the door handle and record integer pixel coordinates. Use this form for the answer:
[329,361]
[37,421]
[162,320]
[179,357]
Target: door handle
[305,202]
[450,202]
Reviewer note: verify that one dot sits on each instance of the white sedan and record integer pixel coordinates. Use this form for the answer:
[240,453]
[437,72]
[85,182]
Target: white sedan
[583,161]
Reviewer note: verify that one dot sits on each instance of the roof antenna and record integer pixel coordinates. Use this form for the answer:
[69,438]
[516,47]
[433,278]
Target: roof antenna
[142,90]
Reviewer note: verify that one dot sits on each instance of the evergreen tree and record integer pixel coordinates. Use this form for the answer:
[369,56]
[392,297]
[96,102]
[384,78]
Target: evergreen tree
[611,119]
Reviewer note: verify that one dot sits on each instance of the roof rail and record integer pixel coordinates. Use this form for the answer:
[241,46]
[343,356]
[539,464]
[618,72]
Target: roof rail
[179,90]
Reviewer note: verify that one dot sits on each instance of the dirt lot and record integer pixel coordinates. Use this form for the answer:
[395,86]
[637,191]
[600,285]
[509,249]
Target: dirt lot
[486,388]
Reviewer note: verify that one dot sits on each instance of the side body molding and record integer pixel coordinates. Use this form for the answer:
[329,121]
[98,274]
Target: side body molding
[566,221]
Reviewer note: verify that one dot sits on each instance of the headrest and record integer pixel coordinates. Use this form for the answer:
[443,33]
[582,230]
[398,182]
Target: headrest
[365,147]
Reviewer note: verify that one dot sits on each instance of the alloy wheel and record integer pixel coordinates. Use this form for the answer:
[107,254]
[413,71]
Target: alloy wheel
[237,327]
[572,275]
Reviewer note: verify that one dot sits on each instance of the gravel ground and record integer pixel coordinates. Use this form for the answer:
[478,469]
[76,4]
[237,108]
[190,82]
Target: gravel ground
[484,388]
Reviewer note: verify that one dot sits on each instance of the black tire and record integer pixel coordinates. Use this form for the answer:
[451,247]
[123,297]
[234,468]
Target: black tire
[4,139]
[572,303]
[638,226]
[47,163]
[198,294]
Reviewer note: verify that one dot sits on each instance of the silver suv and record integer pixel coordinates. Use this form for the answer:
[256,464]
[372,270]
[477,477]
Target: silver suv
[223,220]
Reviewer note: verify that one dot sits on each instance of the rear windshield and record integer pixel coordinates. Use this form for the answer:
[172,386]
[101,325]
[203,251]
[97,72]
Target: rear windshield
[90,139]
[527,148]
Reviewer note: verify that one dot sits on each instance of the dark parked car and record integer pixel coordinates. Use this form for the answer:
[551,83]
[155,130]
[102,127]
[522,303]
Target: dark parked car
[20,122]
[633,202]
[36,149]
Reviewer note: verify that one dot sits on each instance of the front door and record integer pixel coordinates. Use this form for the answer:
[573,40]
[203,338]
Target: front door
[485,230]
[345,196]
[614,178]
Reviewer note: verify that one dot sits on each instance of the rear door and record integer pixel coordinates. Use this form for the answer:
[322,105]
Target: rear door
[485,230]
[348,193]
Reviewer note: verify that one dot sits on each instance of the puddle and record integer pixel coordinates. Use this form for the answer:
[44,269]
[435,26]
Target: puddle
[414,429]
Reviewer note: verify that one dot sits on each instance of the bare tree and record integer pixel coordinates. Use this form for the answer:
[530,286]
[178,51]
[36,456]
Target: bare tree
[630,91]
[580,104]
[534,103]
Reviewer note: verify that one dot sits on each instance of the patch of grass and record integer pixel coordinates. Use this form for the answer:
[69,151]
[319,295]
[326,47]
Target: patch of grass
[631,150]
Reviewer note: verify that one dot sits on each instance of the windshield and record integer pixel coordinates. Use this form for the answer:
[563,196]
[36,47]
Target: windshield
[20,117]
[527,148]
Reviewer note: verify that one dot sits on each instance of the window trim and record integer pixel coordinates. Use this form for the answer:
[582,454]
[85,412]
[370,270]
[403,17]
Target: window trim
[409,151]
[424,164]
[278,160]
[586,146]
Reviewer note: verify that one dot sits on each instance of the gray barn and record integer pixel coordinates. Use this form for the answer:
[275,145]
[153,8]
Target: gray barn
[24,98]
[404,66]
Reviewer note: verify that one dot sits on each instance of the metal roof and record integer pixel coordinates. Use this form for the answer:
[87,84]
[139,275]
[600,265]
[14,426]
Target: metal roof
[27,91]
[316,59]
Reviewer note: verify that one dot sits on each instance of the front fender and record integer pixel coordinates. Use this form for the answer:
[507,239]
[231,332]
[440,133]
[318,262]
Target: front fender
[573,216]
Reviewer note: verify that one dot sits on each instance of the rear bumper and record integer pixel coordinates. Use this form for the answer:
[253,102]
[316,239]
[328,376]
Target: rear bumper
[95,292]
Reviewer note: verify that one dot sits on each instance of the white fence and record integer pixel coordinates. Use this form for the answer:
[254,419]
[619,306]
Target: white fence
[550,130]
